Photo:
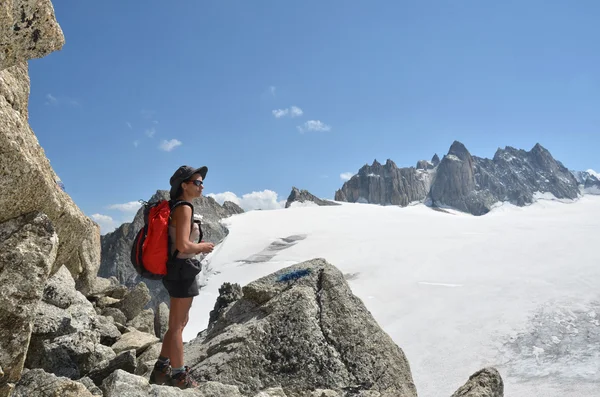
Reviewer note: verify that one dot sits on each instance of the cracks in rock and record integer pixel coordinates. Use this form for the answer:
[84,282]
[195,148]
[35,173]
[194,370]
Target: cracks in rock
[331,342]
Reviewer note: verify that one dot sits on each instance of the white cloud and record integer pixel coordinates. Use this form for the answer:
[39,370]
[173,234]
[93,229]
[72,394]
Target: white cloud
[272,90]
[128,125]
[346,176]
[280,112]
[51,100]
[130,207]
[106,222]
[55,101]
[293,111]
[167,146]
[150,132]
[136,143]
[265,200]
[314,125]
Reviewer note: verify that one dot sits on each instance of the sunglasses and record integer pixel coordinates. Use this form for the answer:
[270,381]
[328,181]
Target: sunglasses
[197,182]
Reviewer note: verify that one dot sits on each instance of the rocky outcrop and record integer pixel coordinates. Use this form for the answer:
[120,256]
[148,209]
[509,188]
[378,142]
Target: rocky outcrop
[484,383]
[303,196]
[28,30]
[71,340]
[28,246]
[428,165]
[123,384]
[386,184]
[67,332]
[116,246]
[39,383]
[475,185]
[232,208]
[465,182]
[455,179]
[27,181]
[589,181]
[300,329]
[592,185]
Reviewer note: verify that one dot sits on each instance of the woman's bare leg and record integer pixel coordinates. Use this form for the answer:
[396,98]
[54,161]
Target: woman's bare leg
[173,340]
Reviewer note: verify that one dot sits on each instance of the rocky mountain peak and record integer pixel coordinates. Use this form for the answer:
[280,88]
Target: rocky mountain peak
[459,150]
[469,183]
[390,164]
[304,196]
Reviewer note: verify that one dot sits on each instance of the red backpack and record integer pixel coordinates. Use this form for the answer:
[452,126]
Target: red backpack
[151,246]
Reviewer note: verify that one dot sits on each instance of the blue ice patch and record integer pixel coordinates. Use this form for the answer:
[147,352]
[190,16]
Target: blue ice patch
[294,275]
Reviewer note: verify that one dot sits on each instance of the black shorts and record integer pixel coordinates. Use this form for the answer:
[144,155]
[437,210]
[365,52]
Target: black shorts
[180,280]
[185,288]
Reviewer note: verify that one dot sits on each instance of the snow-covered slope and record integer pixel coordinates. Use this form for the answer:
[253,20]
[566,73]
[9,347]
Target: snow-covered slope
[518,288]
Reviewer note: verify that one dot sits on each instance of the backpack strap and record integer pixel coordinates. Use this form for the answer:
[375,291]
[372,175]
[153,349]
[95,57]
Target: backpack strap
[174,204]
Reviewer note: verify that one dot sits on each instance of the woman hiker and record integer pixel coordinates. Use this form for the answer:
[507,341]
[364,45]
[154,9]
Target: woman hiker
[182,268]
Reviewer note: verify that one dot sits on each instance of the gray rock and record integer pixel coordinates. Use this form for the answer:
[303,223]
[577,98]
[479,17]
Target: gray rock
[60,289]
[116,246]
[133,303]
[455,181]
[144,322]
[147,359]
[101,286]
[125,361]
[106,301]
[302,196]
[228,294]
[28,248]
[137,340]
[592,185]
[116,314]
[123,384]
[118,292]
[386,185]
[273,392]
[425,165]
[475,185]
[232,208]
[71,356]
[67,340]
[484,383]
[107,330]
[306,333]
[161,320]
[51,321]
[151,353]
[467,183]
[89,384]
[28,181]
[28,30]
[325,393]
[37,383]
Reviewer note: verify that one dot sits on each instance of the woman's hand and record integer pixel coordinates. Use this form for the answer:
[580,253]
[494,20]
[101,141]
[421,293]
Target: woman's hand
[205,247]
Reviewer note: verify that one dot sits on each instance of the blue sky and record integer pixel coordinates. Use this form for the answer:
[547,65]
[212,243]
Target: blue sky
[351,81]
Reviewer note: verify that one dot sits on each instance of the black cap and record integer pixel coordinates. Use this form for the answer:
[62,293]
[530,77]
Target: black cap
[184,172]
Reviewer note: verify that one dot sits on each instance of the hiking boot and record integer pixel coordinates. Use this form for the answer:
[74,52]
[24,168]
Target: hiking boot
[183,380]
[161,373]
